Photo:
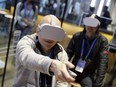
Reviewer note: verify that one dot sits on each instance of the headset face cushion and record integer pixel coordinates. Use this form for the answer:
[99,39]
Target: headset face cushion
[51,32]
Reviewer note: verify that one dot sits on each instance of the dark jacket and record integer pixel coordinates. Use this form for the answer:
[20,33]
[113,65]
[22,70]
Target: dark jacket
[105,22]
[96,63]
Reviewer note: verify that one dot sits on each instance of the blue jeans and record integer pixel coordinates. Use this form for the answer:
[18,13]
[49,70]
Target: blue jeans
[87,82]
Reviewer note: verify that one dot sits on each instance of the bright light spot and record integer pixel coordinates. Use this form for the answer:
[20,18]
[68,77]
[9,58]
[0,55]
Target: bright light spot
[108,3]
[100,8]
[93,3]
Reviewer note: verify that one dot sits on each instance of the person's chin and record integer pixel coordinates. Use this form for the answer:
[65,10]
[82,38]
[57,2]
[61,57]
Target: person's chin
[49,46]
[90,31]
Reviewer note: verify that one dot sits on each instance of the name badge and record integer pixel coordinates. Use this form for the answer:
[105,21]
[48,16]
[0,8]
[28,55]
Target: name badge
[80,65]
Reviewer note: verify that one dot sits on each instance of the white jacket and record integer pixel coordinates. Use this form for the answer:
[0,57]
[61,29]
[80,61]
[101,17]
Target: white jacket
[30,62]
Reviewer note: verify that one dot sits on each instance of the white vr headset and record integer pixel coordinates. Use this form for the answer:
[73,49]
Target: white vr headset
[93,22]
[51,32]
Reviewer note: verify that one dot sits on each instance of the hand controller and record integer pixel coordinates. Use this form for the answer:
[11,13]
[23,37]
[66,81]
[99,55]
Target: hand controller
[72,73]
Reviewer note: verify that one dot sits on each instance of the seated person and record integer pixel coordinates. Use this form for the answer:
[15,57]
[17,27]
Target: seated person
[105,21]
[88,51]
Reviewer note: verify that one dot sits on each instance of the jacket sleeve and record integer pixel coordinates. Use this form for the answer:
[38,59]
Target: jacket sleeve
[28,58]
[18,17]
[61,84]
[56,83]
[35,15]
[102,64]
[70,48]
[17,13]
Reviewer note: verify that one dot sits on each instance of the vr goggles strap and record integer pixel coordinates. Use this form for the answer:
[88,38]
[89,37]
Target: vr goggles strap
[53,21]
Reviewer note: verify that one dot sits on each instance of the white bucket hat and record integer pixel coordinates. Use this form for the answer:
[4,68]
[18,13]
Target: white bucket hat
[91,21]
[51,30]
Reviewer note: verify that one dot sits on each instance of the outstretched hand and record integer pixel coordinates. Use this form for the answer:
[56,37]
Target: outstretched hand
[60,70]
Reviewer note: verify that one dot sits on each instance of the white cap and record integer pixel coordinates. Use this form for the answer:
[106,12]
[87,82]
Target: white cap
[91,21]
[50,28]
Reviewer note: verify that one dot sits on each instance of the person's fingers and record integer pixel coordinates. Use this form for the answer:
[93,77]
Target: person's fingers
[67,75]
[60,70]
[59,76]
[69,65]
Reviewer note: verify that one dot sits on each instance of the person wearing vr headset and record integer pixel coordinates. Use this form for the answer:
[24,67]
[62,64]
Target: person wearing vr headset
[88,51]
[39,56]
[26,16]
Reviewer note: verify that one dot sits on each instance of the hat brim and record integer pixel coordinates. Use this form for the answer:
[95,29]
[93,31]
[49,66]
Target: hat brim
[93,22]
[52,33]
